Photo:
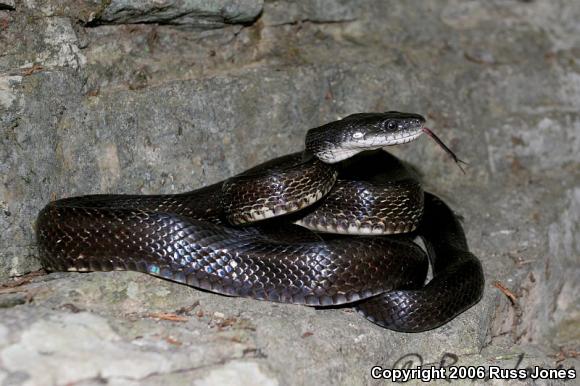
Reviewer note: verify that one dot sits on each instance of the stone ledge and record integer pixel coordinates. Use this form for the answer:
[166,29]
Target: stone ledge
[192,13]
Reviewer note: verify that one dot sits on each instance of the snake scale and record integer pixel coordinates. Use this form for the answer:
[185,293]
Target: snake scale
[332,225]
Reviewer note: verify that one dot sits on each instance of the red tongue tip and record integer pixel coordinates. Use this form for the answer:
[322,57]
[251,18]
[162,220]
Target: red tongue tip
[447,150]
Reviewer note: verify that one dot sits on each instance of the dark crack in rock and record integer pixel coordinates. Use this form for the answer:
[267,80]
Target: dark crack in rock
[8,4]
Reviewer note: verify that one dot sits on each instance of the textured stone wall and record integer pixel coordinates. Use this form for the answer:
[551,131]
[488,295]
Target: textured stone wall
[167,96]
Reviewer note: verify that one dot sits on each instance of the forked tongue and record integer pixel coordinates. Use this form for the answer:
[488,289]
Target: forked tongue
[447,150]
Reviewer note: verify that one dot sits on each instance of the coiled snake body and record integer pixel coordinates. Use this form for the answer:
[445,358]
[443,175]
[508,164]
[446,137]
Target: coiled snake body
[362,213]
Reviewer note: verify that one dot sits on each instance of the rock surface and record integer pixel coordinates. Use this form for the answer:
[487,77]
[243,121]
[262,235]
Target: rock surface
[147,97]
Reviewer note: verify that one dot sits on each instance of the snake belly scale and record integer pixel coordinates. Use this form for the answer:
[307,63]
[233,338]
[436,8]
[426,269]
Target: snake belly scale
[324,227]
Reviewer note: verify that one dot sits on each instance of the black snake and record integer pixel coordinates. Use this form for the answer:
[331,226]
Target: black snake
[239,237]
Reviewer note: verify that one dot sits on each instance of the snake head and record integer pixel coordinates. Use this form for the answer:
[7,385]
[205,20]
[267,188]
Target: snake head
[342,139]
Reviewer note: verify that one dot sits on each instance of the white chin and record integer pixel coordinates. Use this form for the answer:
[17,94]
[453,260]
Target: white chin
[337,155]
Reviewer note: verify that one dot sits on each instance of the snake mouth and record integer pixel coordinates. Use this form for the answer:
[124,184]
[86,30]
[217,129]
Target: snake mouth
[373,142]
[398,139]
[370,142]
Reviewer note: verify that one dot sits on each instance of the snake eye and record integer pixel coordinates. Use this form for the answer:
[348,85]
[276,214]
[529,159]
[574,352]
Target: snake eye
[391,125]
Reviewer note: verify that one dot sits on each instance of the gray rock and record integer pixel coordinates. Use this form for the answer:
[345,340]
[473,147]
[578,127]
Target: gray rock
[119,318]
[279,12]
[147,108]
[196,13]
